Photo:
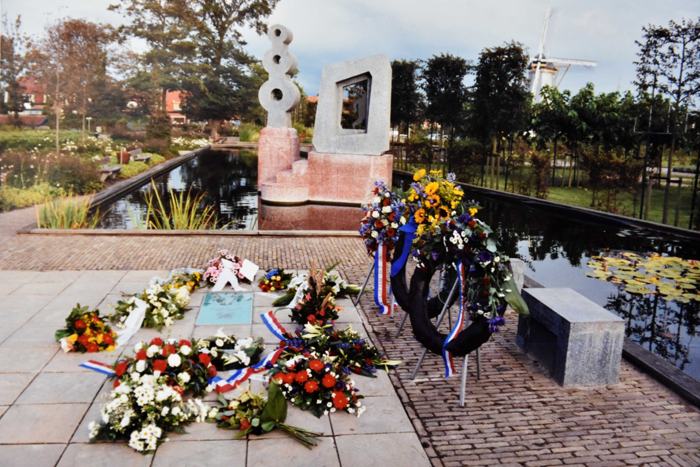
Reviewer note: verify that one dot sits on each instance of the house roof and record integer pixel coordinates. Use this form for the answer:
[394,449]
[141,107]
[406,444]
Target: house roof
[29,120]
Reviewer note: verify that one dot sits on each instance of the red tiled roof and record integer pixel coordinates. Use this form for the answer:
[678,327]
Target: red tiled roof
[29,120]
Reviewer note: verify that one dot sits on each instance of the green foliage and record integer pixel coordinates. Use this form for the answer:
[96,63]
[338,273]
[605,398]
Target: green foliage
[67,212]
[406,100]
[182,213]
[249,132]
[132,168]
[444,89]
[12,198]
[159,127]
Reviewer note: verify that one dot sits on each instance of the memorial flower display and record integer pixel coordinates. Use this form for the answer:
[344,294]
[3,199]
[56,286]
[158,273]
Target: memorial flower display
[348,351]
[216,265]
[143,411]
[173,363]
[316,306]
[183,279]
[489,283]
[311,383]
[86,331]
[275,279]
[433,200]
[332,284]
[252,413]
[229,352]
[164,305]
[385,214]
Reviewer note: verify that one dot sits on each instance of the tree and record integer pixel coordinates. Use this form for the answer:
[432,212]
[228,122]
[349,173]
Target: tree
[669,59]
[14,46]
[443,84]
[164,26]
[406,100]
[499,101]
[552,119]
[222,84]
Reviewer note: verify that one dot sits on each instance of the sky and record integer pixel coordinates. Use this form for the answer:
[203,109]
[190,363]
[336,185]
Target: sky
[331,31]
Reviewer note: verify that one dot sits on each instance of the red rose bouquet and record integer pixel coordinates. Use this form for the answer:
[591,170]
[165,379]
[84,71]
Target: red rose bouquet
[316,386]
[317,306]
[173,363]
[86,332]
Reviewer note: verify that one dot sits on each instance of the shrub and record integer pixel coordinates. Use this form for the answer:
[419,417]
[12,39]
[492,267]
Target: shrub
[73,174]
[158,146]
[132,168]
[13,198]
[159,127]
[249,133]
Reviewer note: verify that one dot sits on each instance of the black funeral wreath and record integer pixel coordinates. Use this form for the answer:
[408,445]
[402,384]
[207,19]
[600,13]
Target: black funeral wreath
[488,284]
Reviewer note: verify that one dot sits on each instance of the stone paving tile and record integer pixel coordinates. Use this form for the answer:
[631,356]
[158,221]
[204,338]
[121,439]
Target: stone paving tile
[144,276]
[6,288]
[384,415]
[289,453]
[20,358]
[82,433]
[196,299]
[40,424]
[18,276]
[302,419]
[56,311]
[41,288]
[129,288]
[205,432]
[379,386]
[12,385]
[3,409]
[60,388]
[7,331]
[201,454]
[70,362]
[32,334]
[103,455]
[17,310]
[58,276]
[397,449]
[31,455]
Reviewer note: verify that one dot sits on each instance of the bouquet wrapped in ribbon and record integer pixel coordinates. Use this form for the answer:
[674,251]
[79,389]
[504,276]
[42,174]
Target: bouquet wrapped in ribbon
[385,214]
[316,306]
[173,363]
[86,331]
[331,281]
[164,305]
[275,279]
[142,411]
[229,352]
[348,351]
[256,414]
[311,383]
[216,265]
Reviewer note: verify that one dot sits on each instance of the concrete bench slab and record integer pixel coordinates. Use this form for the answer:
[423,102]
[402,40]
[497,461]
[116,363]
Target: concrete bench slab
[110,172]
[577,340]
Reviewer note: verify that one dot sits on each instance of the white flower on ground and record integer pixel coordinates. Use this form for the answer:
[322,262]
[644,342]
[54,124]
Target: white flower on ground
[174,360]
[140,366]
[185,350]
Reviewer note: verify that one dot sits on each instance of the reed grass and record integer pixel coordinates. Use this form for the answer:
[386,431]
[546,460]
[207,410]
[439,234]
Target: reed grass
[182,215]
[67,212]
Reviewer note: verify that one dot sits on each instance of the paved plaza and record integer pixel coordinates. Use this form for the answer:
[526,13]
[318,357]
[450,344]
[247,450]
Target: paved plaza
[514,415]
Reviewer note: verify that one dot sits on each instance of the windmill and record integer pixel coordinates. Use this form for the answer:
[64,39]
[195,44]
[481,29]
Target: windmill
[545,70]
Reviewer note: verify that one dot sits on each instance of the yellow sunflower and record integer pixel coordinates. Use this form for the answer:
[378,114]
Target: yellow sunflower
[432,188]
[418,175]
[419,215]
[432,201]
[443,212]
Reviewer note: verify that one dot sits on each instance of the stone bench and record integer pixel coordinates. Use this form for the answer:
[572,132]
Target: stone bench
[110,172]
[578,341]
[142,158]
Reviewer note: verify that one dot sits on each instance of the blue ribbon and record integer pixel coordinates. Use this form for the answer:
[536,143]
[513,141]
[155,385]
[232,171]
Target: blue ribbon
[410,229]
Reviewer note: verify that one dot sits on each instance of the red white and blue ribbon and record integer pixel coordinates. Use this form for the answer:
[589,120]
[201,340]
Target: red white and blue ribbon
[273,325]
[99,367]
[447,356]
[233,381]
[380,289]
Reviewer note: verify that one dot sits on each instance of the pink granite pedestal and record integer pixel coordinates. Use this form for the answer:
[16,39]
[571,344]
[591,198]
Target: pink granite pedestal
[329,178]
[278,148]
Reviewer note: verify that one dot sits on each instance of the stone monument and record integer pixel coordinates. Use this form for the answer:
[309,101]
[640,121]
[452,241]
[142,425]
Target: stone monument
[350,137]
[278,146]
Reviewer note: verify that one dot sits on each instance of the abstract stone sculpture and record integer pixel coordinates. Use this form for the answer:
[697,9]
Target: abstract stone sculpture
[279,96]
[374,106]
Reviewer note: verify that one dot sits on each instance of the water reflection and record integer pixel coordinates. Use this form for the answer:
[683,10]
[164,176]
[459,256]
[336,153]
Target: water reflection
[228,179]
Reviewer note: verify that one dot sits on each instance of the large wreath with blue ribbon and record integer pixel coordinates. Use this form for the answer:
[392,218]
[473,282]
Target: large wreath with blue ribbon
[444,234]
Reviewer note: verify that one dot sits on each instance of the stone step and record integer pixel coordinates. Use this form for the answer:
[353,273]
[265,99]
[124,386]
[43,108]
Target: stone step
[287,193]
[300,167]
[287,176]
[296,175]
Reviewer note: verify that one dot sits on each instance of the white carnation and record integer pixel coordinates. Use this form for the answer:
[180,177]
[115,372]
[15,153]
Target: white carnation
[174,360]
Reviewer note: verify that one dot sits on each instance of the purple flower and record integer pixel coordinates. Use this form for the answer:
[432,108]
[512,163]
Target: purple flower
[495,322]
[435,256]
[485,256]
